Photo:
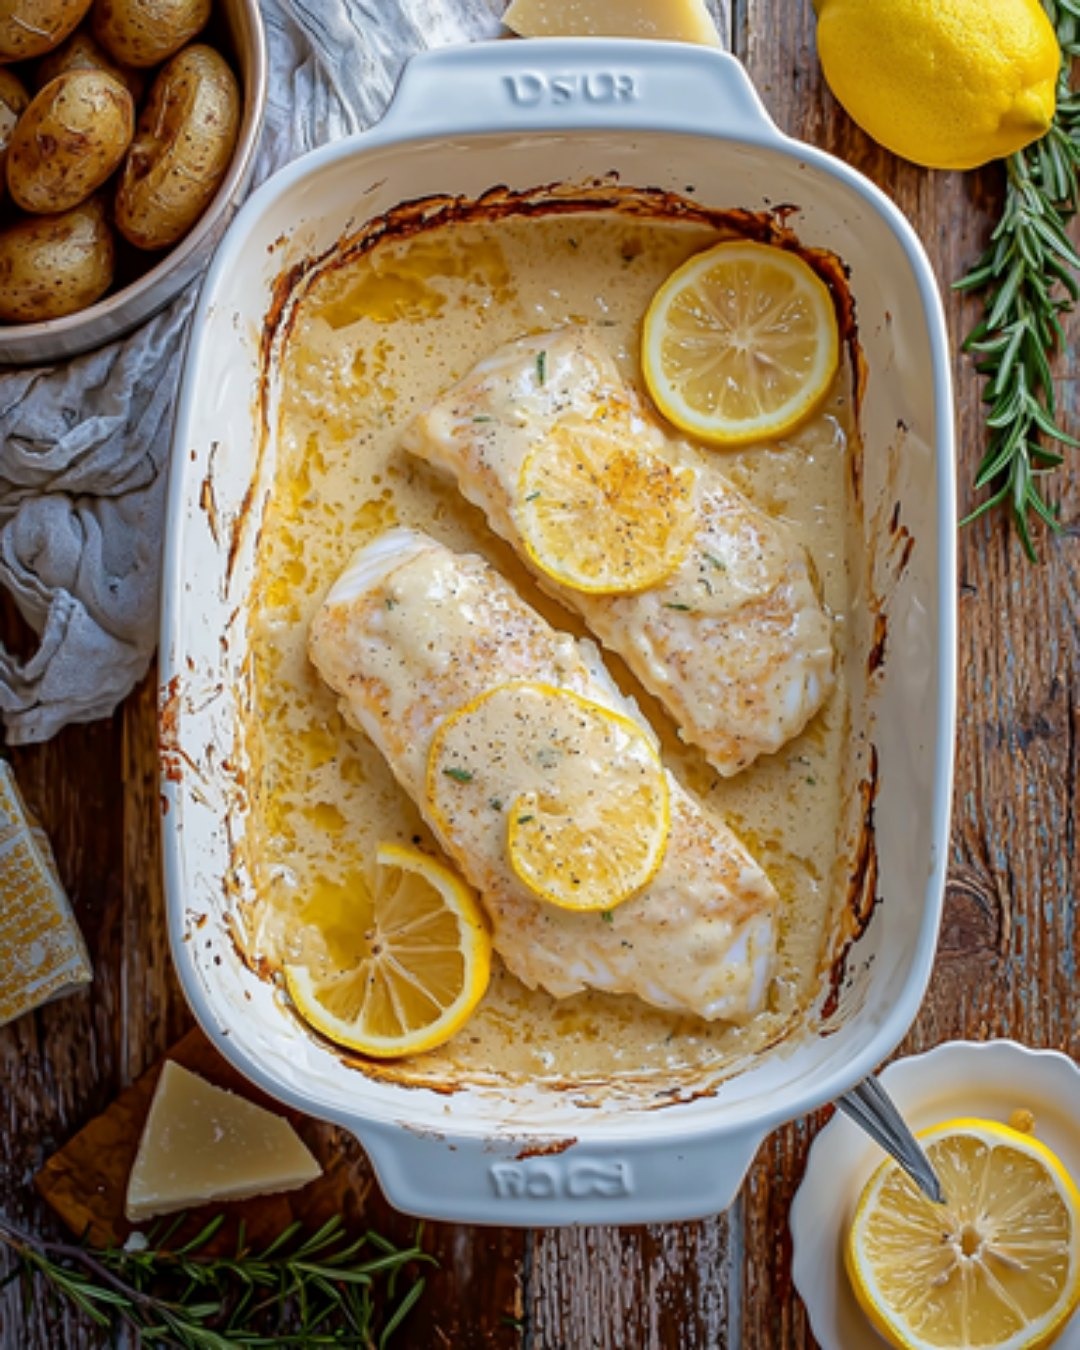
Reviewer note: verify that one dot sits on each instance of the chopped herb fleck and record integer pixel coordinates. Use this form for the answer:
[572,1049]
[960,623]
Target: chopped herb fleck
[391,603]
[495,804]
[532,496]
[541,367]
[607,916]
[671,604]
[459,775]
[718,563]
[811,780]
[524,820]
[483,419]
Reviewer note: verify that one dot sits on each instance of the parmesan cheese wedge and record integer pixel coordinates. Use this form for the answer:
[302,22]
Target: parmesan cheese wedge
[42,953]
[202,1143]
[677,20]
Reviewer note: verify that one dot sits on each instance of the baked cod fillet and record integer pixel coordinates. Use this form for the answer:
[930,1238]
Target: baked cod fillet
[410,633]
[735,642]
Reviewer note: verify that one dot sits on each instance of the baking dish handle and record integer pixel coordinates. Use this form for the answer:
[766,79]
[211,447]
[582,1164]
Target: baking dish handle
[531,1182]
[552,84]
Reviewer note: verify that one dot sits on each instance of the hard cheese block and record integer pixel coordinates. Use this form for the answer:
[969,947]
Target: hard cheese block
[678,20]
[42,954]
[203,1143]
[85,1181]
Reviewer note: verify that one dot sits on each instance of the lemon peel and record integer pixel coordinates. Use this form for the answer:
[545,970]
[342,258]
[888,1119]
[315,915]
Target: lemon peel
[740,344]
[415,966]
[565,793]
[998,1265]
[599,512]
[949,84]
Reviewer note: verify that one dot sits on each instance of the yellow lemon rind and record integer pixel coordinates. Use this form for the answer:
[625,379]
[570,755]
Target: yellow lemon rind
[938,87]
[476,938]
[579,901]
[582,902]
[864,1285]
[643,571]
[769,426]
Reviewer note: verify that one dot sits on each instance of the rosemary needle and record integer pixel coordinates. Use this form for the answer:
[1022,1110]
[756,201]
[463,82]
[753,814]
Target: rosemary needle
[320,1289]
[1029,276]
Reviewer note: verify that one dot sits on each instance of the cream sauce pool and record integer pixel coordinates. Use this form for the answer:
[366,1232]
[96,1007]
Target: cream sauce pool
[374,341]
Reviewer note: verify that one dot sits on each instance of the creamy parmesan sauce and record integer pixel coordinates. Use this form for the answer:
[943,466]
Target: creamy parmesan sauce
[374,342]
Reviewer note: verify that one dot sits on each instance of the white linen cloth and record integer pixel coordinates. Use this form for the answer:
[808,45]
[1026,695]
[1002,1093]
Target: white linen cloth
[84,445]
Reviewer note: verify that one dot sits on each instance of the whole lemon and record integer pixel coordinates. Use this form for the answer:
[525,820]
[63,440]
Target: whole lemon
[946,83]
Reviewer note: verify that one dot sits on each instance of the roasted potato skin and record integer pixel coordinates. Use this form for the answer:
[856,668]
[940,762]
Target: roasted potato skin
[55,265]
[69,140]
[181,151]
[146,32]
[14,101]
[30,28]
[81,52]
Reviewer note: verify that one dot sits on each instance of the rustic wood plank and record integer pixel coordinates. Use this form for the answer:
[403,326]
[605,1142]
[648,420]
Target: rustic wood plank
[1009,950]
[1009,945]
[59,1063]
[154,1013]
[662,1286]
[666,1285]
[96,791]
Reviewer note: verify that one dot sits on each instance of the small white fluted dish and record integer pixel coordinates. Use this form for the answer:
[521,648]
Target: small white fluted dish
[989,1079]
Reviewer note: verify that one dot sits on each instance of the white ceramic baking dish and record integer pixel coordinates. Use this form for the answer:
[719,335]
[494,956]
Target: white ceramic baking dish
[522,115]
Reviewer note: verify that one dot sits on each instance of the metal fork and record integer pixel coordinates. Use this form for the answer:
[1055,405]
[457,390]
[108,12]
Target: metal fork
[871,1107]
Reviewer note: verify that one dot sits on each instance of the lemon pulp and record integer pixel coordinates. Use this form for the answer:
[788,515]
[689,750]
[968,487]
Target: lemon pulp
[599,512]
[403,976]
[740,343]
[570,793]
[996,1267]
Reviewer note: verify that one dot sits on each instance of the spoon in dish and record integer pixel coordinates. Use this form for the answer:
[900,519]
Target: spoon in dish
[871,1107]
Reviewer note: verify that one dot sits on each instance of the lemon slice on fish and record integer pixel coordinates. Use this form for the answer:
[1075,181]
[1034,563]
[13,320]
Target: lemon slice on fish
[598,511]
[740,344]
[401,970]
[997,1266]
[568,792]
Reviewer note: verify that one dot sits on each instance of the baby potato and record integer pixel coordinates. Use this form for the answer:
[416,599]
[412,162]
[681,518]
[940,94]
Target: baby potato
[32,27]
[69,140]
[13,102]
[54,265]
[182,148]
[81,52]
[144,32]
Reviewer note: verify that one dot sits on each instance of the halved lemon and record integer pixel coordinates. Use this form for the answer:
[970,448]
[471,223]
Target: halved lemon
[997,1267]
[600,512]
[403,971]
[740,344]
[571,795]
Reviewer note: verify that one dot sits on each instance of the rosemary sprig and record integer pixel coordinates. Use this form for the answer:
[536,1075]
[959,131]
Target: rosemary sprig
[1029,273]
[315,1290]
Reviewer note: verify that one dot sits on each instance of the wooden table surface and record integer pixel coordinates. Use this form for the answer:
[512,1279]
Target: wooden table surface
[1007,963]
